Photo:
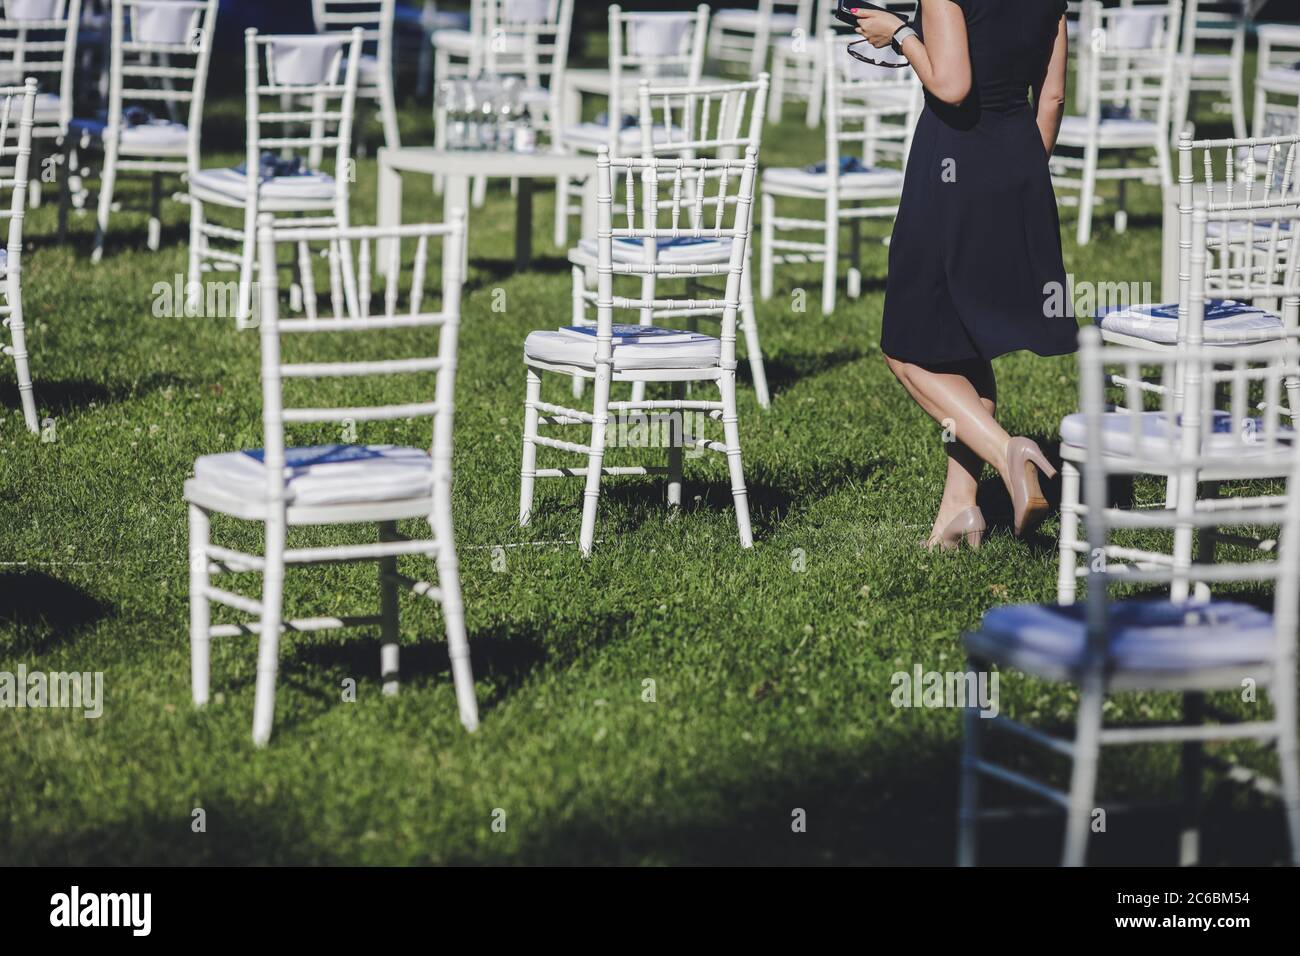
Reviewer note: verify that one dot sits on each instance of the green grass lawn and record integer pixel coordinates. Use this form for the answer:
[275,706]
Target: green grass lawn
[771,668]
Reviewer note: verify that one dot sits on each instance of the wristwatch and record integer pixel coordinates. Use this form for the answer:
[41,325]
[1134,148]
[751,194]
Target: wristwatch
[901,34]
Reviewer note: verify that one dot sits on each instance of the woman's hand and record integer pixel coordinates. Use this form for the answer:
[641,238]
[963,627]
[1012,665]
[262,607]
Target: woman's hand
[878,26]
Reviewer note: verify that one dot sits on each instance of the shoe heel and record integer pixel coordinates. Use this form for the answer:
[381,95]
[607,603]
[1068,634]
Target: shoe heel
[1035,454]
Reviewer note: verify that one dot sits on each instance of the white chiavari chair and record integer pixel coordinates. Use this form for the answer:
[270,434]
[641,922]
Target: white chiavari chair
[705,122]
[283,487]
[1130,79]
[530,38]
[1212,59]
[1226,174]
[739,39]
[662,46]
[1242,257]
[614,352]
[286,71]
[458,52]
[1277,79]
[376,76]
[871,112]
[158,63]
[17,117]
[38,38]
[1155,644]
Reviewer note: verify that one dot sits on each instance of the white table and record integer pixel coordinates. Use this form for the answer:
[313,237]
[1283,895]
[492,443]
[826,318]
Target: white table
[459,167]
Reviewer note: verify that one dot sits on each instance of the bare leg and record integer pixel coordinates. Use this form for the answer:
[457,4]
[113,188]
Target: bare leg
[963,399]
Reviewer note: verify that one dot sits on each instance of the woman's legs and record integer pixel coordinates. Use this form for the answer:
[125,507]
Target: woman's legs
[962,397]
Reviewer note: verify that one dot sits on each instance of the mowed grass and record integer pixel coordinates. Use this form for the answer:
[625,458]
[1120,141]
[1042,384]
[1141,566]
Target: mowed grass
[771,668]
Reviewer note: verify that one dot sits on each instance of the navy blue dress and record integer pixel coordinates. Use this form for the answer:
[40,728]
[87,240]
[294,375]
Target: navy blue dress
[976,249]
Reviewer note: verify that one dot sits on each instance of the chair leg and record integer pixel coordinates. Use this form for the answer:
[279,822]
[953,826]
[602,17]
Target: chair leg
[107,185]
[528,472]
[749,322]
[65,191]
[194,283]
[453,612]
[595,460]
[674,491]
[562,188]
[18,351]
[155,212]
[735,467]
[969,788]
[389,652]
[200,610]
[830,268]
[268,645]
[1066,580]
[1083,777]
[813,117]
[388,114]
[1191,774]
[1238,94]
[247,270]
[776,97]
[767,256]
[1087,190]
[1289,762]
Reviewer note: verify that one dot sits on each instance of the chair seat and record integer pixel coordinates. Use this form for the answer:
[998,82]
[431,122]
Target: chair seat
[160,135]
[562,348]
[232,184]
[454,41]
[595,135]
[750,20]
[1226,323]
[1115,131]
[1286,33]
[414,18]
[671,251]
[1212,65]
[801,178]
[1160,437]
[1280,77]
[1144,638]
[323,474]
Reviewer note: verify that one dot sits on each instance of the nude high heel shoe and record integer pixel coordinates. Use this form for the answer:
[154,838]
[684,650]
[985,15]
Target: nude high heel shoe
[968,526]
[1024,460]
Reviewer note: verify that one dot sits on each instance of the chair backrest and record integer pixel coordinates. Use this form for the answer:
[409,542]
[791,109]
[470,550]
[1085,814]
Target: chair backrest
[161,50]
[1246,258]
[717,206]
[374,18]
[17,113]
[344,380]
[871,111]
[1214,21]
[314,97]
[690,122]
[1184,443]
[529,38]
[1131,60]
[38,38]
[666,47]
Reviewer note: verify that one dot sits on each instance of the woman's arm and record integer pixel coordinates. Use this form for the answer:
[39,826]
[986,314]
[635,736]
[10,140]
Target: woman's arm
[1049,91]
[942,62]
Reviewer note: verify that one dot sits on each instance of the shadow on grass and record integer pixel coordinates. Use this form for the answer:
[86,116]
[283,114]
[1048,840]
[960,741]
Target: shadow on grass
[63,397]
[44,612]
[787,370]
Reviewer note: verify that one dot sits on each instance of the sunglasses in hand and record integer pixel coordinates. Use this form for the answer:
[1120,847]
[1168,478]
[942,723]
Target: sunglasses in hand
[845,13]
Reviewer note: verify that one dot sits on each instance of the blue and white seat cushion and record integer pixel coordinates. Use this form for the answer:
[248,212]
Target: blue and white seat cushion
[323,474]
[667,251]
[1144,636]
[635,347]
[140,129]
[283,179]
[596,133]
[1160,436]
[1227,322]
[852,174]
